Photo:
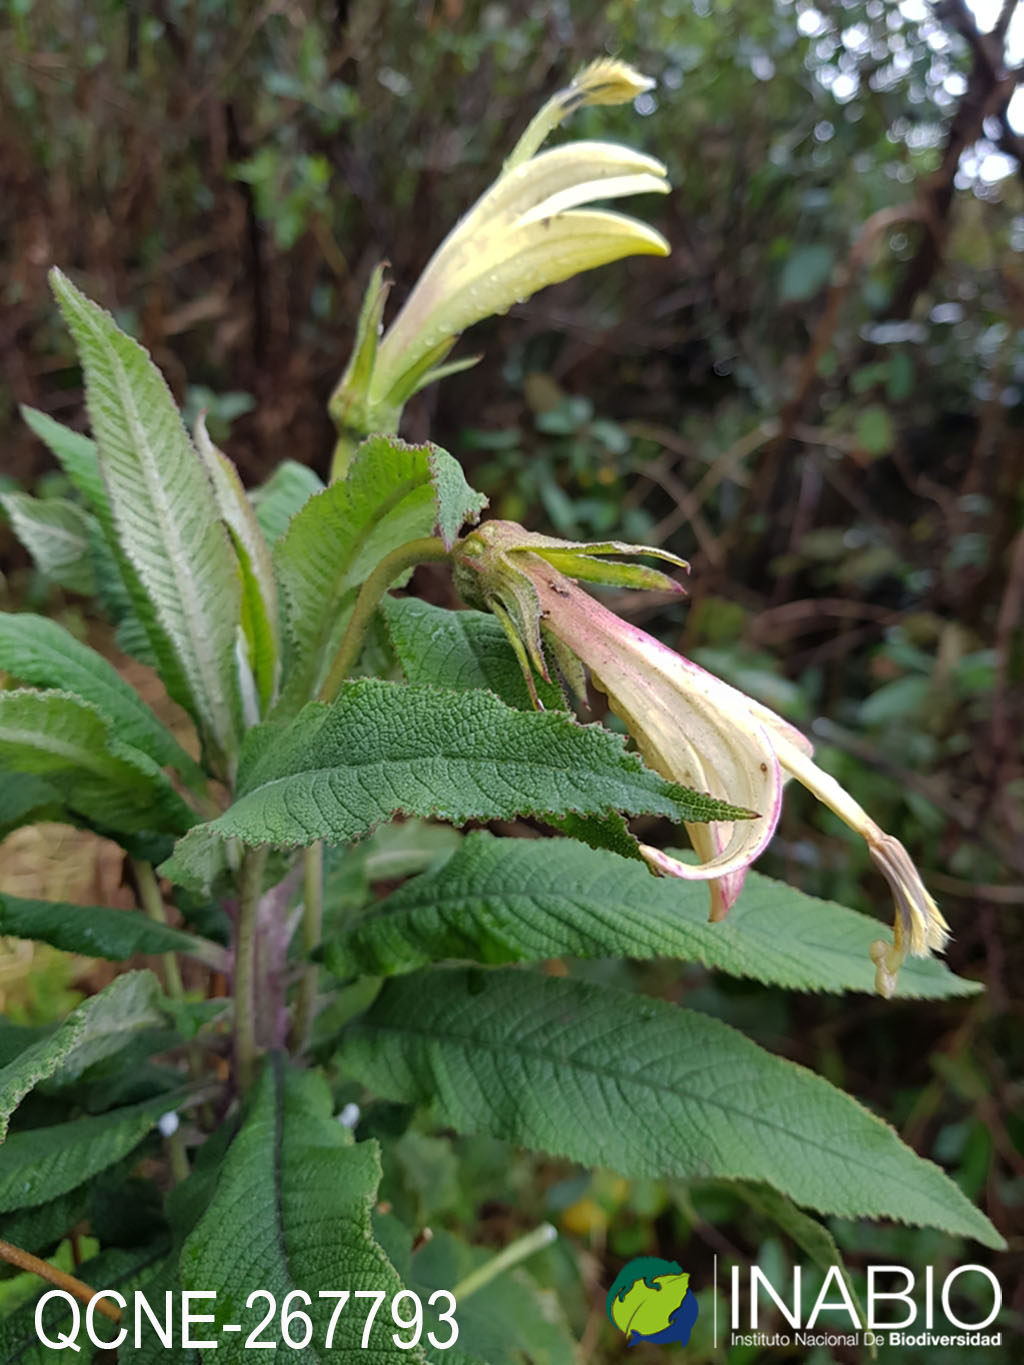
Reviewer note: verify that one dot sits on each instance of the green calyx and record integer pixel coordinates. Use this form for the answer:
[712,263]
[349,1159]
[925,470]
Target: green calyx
[494,569]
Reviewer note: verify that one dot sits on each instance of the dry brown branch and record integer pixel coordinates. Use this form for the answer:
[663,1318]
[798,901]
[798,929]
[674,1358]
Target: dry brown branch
[989,89]
[24,1260]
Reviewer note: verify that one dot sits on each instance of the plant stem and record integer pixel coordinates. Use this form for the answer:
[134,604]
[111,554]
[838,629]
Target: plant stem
[312,920]
[513,1254]
[178,1155]
[404,557]
[153,904]
[24,1260]
[250,886]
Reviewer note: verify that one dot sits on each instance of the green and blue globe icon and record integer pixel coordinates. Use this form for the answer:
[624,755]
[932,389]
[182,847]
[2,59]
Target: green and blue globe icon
[651,1300]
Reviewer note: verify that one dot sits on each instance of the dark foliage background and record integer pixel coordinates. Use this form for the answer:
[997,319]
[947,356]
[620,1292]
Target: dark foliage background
[818,399]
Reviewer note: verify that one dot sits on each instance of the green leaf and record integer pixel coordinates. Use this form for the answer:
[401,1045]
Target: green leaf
[77,456]
[40,1229]
[164,511]
[384,749]
[56,534]
[291,1210]
[41,652]
[97,931]
[185,1205]
[101,1025]
[610,832]
[117,584]
[37,1164]
[25,800]
[462,650]
[68,742]
[286,492]
[15,1038]
[611,1079]
[874,430]
[151,1350]
[393,493]
[897,702]
[259,586]
[505,1322]
[505,900]
[810,1236]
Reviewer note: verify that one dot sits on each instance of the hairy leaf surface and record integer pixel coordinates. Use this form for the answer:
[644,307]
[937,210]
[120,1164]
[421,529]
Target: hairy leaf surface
[259,586]
[505,900]
[56,534]
[98,1026]
[287,490]
[76,453]
[68,742]
[26,800]
[393,493]
[461,650]
[98,931]
[118,586]
[291,1210]
[41,652]
[384,749]
[164,510]
[37,1164]
[612,1079]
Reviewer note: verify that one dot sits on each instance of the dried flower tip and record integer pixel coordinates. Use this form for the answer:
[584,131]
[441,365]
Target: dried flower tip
[919,927]
[608,81]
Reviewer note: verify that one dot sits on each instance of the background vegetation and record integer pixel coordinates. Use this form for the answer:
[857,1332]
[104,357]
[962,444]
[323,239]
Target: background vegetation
[818,399]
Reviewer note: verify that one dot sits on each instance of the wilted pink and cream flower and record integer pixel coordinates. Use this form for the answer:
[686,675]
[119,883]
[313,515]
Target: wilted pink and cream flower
[688,725]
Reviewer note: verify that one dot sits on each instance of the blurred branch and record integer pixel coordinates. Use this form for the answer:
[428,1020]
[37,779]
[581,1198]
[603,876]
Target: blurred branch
[808,614]
[956,810]
[980,891]
[1003,22]
[1005,731]
[989,88]
[843,281]
[24,1260]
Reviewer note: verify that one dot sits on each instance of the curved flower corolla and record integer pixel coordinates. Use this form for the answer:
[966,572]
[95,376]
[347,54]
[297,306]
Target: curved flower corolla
[531,228]
[688,725]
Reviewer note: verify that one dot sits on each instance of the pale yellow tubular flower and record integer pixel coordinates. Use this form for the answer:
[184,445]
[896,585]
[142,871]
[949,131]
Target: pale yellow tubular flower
[919,927]
[527,231]
[531,228]
[689,726]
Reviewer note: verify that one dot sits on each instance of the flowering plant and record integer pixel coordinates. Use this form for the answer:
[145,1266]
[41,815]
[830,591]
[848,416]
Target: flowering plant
[330,945]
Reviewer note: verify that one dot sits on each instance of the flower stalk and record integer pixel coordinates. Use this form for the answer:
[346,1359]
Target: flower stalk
[250,887]
[153,905]
[311,928]
[407,556]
